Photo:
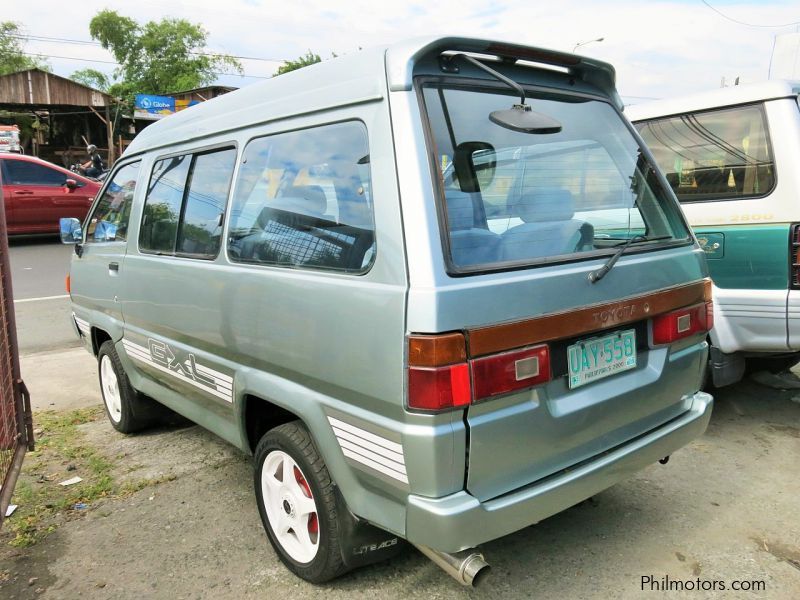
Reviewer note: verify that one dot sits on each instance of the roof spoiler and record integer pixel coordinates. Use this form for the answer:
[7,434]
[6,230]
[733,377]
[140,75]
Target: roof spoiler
[401,58]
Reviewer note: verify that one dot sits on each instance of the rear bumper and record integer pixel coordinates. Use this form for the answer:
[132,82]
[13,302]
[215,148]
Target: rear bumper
[460,521]
[753,320]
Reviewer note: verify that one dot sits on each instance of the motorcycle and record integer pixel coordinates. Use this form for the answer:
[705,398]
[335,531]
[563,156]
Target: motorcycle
[77,168]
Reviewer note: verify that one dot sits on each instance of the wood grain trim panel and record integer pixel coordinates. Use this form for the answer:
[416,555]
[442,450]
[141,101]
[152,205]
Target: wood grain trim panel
[571,323]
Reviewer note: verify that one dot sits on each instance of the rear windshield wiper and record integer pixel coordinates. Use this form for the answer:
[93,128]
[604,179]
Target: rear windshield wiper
[598,274]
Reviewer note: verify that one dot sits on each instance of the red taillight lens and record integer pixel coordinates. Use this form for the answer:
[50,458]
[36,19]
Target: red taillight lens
[439,388]
[510,371]
[683,323]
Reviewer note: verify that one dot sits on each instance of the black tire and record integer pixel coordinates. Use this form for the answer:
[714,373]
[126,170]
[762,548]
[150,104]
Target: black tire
[135,410]
[293,439]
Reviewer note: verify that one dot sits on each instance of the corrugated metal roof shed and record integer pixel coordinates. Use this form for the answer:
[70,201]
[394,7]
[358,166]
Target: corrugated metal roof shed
[40,88]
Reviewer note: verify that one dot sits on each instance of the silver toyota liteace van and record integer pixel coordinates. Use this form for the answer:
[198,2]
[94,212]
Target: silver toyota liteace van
[439,291]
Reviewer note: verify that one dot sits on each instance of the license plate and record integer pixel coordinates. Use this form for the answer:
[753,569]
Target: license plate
[597,358]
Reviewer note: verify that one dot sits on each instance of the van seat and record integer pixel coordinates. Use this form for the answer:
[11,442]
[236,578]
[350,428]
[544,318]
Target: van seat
[293,230]
[469,245]
[549,228]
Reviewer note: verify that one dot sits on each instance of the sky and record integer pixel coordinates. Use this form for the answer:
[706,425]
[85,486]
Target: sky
[660,48]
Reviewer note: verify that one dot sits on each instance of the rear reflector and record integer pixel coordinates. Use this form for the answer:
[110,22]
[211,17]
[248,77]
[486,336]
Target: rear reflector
[683,323]
[510,371]
[439,388]
[68,284]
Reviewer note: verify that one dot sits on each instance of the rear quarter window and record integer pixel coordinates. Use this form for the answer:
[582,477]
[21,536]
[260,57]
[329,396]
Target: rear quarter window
[302,200]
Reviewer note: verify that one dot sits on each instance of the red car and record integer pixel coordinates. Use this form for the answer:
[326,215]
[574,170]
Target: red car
[38,193]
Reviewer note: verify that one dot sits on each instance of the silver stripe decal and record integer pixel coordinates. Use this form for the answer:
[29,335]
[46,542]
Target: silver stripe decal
[368,446]
[139,353]
[373,465]
[389,464]
[376,439]
[371,450]
[217,374]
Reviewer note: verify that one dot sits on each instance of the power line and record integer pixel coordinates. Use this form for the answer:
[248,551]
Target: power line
[723,15]
[108,62]
[43,38]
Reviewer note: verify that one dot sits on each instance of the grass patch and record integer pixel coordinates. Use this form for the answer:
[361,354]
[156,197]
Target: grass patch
[61,453]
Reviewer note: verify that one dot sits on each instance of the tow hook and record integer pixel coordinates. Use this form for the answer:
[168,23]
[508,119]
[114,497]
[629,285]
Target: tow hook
[664,460]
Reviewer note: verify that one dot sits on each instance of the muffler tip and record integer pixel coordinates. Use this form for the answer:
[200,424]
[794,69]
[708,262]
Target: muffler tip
[468,567]
[475,570]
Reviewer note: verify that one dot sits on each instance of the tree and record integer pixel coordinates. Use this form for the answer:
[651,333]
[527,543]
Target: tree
[157,57]
[12,50]
[292,65]
[93,78]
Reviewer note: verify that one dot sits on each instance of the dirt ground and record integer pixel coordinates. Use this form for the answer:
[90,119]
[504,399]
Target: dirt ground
[171,514]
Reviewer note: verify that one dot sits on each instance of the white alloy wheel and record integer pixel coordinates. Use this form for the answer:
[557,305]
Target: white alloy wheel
[290,506]
[109,385]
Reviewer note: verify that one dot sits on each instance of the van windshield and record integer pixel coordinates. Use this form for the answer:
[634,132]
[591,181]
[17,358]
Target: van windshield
[513,198]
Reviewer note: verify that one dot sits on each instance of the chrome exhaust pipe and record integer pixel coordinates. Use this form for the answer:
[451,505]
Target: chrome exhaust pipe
[467,567]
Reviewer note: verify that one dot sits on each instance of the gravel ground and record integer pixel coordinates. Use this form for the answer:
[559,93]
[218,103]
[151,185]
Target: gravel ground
[724,509]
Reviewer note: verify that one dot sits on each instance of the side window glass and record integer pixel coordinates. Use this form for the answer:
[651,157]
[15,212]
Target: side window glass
[713,155]
[23,172]
[209,183]
[162,207]
[302,200]
[109,220]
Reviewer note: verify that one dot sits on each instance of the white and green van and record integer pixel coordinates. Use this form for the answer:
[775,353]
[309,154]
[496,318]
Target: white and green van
[731,158]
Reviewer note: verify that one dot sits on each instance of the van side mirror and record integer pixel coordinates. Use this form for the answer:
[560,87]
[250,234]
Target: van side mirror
[71,184]
[70,230]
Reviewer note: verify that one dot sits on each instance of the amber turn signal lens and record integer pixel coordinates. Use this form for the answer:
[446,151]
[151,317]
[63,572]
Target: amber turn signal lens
[436,350]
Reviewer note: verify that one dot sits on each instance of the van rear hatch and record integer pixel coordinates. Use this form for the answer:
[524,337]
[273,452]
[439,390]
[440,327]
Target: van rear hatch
[572,283]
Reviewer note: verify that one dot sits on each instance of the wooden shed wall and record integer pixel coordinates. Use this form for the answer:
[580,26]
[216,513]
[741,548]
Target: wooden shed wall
[40,88]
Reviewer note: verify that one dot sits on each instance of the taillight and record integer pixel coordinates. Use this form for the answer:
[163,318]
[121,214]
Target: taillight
[794,257]
[510,371]
[441,378]
[683,323]
[438,373]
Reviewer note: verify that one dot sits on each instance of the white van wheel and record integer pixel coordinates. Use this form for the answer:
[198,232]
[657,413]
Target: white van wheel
[297,503]
[109,386]
[290,506]
[126,409]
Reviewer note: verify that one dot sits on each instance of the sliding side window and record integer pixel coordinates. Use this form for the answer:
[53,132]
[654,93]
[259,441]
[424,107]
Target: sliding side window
[185,204]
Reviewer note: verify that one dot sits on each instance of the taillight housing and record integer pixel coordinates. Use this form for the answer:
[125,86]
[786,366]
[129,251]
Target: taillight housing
[440,377]
[794,257]
[510,371]
[683,323]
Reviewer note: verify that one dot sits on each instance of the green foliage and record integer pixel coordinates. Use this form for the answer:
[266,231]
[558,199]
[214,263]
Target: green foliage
[93,78]
[12,57]
[158,57]
[292,65]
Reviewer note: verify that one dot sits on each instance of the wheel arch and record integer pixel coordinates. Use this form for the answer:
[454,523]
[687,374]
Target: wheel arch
[261,415]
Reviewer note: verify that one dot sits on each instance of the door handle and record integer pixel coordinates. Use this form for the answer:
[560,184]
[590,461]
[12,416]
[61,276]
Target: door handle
[113,267]
[23,193]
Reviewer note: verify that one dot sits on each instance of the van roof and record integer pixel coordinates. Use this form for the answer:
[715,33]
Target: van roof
[347,80]
[729,96]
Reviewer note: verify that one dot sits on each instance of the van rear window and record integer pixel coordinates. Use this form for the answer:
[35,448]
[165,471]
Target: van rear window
[303,200]
[713,155]
[514,199]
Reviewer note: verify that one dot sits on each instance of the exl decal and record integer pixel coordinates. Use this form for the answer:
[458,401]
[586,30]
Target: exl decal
[160,356]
